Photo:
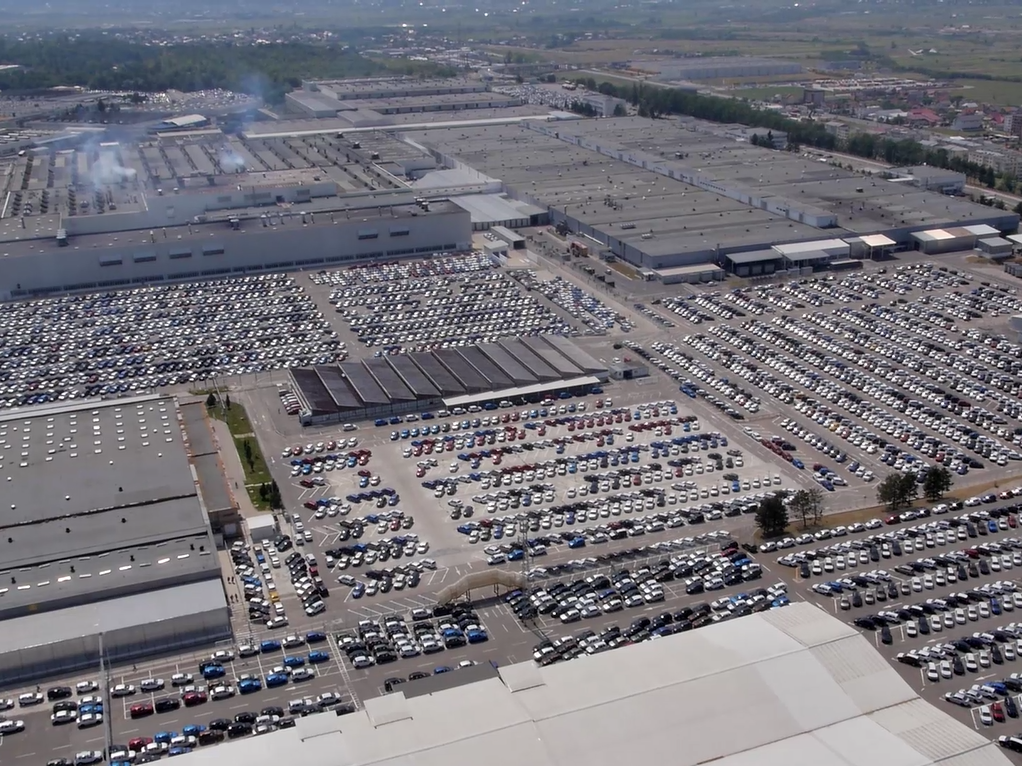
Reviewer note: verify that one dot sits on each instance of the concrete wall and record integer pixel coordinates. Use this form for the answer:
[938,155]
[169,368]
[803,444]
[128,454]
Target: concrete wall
[64,657]
[254,248]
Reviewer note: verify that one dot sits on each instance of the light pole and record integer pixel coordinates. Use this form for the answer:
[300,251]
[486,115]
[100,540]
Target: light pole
[104,675]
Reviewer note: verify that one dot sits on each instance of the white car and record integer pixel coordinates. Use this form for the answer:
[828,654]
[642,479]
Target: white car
[151,684]
[222,655]
[181,679]
[84,687]
[326,699]
[63,716]
[362,661]
[222,692]
[90,719]
[29,698]
[11,727]
[292,640]
[303,674]
[122,690]
[6,703]
[88,757]
[277,622]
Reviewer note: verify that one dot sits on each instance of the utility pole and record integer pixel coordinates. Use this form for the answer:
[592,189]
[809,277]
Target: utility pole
[104,676]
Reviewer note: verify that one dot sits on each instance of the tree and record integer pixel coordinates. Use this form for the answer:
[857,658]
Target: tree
[247,449]
[938,482]
[807,506]
[620,111]
[227,401]
[211,400]
[264,492]
[897,490]
[772,517]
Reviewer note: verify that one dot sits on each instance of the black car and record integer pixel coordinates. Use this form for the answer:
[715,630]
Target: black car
[245,717]
[65,706]
[236,730]
[166,704]
[272,710]
[286,723]
[58,692]
[220,724]
[210,737]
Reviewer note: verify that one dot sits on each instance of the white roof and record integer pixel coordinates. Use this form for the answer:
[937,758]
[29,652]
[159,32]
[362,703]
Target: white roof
[794,686]
[825,245]
[877,240]
[982,230]
[1016,238]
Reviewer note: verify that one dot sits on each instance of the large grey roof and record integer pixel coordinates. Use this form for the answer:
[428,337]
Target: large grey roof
[792,686]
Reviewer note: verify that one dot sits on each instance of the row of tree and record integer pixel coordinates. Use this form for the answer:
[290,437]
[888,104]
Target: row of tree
[657,101]
[806,506]
[104,63]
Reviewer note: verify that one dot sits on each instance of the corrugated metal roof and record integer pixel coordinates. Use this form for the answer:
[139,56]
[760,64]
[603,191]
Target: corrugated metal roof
[416,380]
[488,208]
[741,693]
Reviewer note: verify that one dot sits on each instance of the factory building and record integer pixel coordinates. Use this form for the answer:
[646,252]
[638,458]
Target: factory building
[718,68]
[481,375]
[107,541]
[237,243]
[930,178]
[665,194]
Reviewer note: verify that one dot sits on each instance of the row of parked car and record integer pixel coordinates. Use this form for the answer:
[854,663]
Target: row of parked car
[378,642]
[589,642]
[467,301]
[581,305]
[143,338]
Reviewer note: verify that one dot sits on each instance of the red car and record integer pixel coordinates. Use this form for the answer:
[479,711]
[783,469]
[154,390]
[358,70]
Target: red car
[141,709]
[138,743]
[997,712]
[191,699]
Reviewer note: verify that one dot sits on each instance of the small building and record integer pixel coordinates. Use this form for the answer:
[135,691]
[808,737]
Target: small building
[756,263]
[998,248]
[814,254]
[875,247]
[968,121]
[628,369]
[515,240]
[262,528]
[692,274]
[931,178]
[951,240]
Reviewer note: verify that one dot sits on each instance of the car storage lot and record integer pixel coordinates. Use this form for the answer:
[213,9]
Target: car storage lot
[869,372]
[916,585]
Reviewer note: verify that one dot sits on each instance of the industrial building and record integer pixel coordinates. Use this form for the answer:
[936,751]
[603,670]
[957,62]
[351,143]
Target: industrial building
[930,178]
[792,686]
[717,67]
[104,539]
[513,369]
[662,194]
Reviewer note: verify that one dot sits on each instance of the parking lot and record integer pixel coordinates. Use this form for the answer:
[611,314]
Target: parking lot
[630,510]
[57,349]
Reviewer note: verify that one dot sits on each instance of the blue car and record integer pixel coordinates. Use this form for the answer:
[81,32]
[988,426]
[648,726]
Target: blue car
[442,669]
[381,421]
[577,542]
[250,686]
[477,636]
[276,679]
[294,662]
[178,751]
[358,591]
[270,645]
[315,637]
[213,671]
[95,708]
[318,656]
[193,729]
[164,736]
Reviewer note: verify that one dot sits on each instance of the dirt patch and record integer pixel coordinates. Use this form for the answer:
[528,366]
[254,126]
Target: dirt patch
[623,269]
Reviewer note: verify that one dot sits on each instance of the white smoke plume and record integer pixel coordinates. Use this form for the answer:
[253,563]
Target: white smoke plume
[107,169]
[230,161]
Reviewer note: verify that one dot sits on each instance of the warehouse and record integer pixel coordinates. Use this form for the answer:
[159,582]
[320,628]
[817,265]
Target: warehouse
[665,193]
[512,369]
[809,690]
[105,534]
[243,241]
[951,239]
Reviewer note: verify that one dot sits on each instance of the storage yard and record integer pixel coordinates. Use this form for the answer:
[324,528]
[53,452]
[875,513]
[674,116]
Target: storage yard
[491,460]
[614,516]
